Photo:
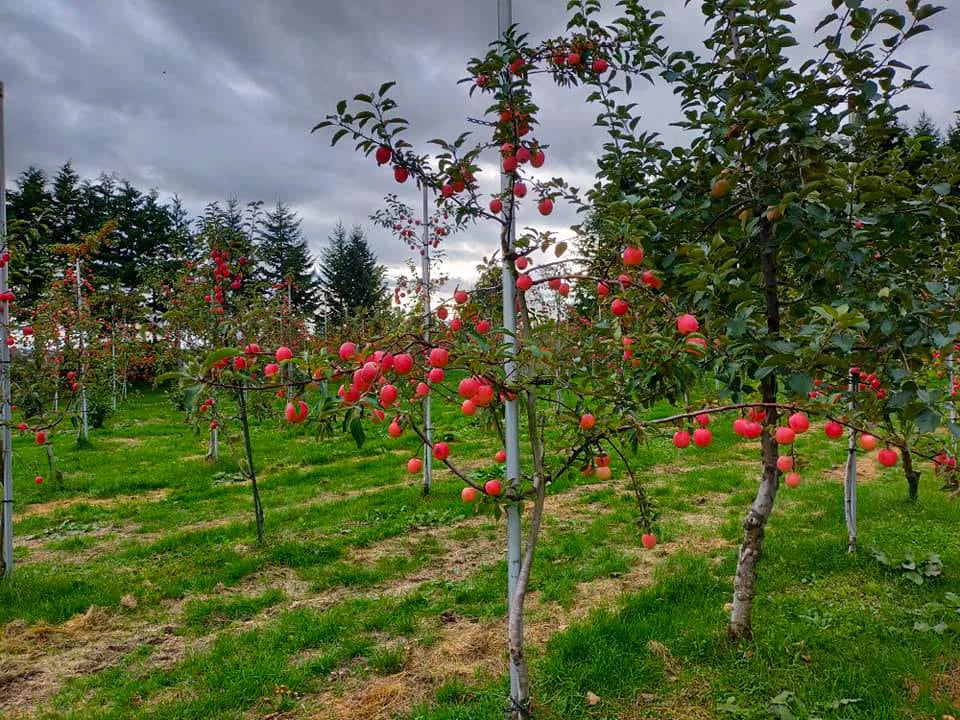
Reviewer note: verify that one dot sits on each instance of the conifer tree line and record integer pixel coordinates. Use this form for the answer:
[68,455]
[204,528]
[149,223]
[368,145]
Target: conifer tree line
[153,239]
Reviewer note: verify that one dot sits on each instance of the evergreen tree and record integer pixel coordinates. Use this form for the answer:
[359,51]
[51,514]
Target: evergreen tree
[67,206]
[284,256]
[351,282]
[29,214]
[953,136]
[927,132]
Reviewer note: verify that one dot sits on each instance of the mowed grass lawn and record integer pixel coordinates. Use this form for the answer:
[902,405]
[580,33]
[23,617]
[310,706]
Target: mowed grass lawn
[140,591]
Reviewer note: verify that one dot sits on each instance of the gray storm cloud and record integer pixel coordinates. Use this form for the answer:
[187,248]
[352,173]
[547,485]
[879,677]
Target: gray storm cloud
[214,99]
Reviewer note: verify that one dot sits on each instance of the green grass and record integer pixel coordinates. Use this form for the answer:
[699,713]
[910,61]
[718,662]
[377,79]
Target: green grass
[358,570]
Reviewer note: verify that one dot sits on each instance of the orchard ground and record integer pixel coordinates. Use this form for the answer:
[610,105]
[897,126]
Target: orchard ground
[140,591]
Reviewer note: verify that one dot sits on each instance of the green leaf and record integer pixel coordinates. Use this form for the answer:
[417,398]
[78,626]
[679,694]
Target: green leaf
[341,107]
[914,577]
[356,430]
[217,355]
[942,188]
[927,421]
[800,383]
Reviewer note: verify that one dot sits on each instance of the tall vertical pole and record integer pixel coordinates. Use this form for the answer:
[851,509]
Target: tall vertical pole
[511,421]
[425,278]
[84,429]
[850,478]
[289,324]
[7,450]
[113,379]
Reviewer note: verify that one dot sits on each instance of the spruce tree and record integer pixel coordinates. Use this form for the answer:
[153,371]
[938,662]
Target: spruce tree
[284,257]
[352,283]
[29,214]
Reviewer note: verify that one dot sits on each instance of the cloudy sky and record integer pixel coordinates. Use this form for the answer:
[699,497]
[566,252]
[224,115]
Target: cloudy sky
[215,98]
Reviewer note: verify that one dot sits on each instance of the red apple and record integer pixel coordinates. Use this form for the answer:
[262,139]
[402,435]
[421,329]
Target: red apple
[702,437]
[524,282]
[388,395]
[687,324]
[283,353]
[441,451]
[649,540]
[461,297]
[887,457]
[400,174]
[414,465]
[792,480]
[383,155]
[619,307]
[784,436]
[587,421]
[833,429]
[632,255]
[681,439]
[496,205]
[799,423]
[394,430]
[545,206]
[868,442]
[403,363]
[468,387]
[439,357]
[493,488]
[603,472]
[784,463]
[468,494]
[501,456]
[295,413]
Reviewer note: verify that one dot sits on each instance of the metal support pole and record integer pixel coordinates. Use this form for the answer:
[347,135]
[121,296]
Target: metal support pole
[84,428]
[6,449]
[425,278]
[850,479]
[288,323]
[113,379]
[511,419]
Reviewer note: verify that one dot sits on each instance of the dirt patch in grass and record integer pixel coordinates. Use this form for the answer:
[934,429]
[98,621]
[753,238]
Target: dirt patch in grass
[85,644]
[36,662]
[109,502]
[472,651]
[946,685]
[868,469]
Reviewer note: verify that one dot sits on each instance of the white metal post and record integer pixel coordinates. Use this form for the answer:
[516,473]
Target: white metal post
[84,429]
[511,421]
[7,450]
[850,479]
[425,279]
[953,401]
[113,379]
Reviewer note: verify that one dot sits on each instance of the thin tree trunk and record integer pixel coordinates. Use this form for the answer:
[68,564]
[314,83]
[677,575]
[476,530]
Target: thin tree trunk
[754,524]
[251,473]
[52,463]
[913,476]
